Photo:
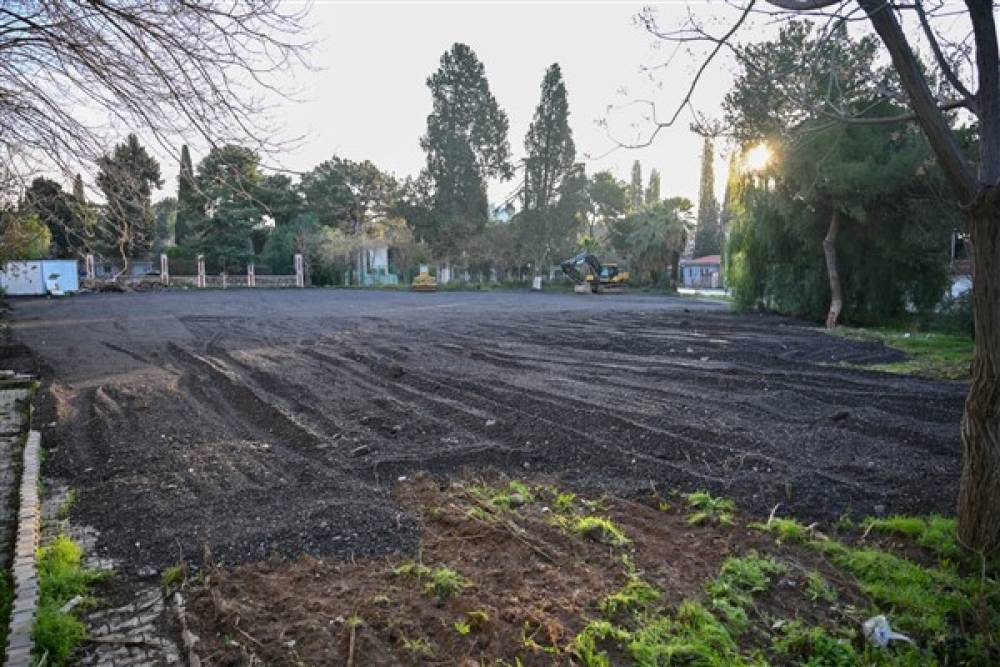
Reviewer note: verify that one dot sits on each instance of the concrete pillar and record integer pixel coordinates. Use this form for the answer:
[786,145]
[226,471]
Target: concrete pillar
[251,276]
[201,271]
[300,278]
[164,269]
[223,274]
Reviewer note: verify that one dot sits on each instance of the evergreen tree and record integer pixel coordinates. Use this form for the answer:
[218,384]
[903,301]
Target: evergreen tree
[46,200]
[653,189]
[466,143]
[190,204]
[165,214]
[84,219]
[228,177]
[635,191]
[546,226]
[127,178]
[708,237]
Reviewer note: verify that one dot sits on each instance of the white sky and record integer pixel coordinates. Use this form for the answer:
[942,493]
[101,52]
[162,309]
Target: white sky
[370,100]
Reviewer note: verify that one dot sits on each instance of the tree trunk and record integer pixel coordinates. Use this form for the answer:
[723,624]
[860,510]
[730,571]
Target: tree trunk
[979,493]
[830,250]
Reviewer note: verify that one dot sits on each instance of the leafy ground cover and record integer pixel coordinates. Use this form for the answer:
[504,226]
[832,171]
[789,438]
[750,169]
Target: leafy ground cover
[945,356]
[522,572]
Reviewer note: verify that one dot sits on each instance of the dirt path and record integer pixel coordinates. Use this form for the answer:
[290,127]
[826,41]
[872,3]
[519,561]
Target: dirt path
[273,421]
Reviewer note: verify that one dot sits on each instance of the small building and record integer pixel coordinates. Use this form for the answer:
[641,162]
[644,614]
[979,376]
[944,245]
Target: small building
[702,272]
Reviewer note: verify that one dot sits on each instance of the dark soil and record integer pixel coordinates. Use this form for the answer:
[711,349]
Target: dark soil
[274,422]
[532,587]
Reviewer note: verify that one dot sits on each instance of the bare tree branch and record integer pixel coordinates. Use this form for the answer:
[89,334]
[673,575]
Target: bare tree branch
[71,71]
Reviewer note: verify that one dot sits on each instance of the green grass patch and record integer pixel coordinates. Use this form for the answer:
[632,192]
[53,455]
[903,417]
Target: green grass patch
[742,576]
[634,596]
[945,356]
[514,495]
[786,530]
[796,643]
[61,578]
[919,600]
[693,637]
[819,589]
[935,532]
[709,509]
[600,529]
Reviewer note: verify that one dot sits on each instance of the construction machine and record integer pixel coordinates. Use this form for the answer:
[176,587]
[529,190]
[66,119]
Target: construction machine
[591,276]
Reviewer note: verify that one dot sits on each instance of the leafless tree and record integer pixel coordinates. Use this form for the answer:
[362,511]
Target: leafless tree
[961,71]
[76,74]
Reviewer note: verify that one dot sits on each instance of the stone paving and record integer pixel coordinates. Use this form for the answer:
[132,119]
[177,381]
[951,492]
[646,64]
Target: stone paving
[14,394]
[13,427]
[138,633]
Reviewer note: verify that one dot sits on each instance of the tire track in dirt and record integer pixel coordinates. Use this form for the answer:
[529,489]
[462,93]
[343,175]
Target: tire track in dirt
[275,422]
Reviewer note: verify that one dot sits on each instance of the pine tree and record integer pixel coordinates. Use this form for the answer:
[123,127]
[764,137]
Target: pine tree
[466,143]
[707,240]
[190,208]
[127,178]
[550,162]
[229,177]
[653,189]
[635,189]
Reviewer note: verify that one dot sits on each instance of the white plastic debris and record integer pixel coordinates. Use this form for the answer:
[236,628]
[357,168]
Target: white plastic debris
[878,633]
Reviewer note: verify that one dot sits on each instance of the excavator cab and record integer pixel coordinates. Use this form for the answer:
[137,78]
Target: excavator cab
[587,271]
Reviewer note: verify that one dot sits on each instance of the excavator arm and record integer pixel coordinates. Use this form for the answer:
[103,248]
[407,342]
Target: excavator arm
[581,266]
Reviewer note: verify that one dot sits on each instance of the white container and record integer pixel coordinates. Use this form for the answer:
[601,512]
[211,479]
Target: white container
[23,278]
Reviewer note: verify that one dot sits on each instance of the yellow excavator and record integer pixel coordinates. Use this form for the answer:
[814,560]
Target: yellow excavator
[590,275]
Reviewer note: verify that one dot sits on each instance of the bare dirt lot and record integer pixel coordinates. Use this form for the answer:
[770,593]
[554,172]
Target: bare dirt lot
[274,422]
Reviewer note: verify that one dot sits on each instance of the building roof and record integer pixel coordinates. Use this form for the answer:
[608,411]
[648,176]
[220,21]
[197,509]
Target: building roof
[701,261]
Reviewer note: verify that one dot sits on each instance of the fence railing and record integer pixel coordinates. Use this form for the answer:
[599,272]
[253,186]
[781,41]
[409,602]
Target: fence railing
[200,278]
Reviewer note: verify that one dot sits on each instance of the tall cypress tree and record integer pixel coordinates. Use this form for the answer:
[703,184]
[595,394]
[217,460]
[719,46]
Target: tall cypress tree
[653,189]
[189,204]
[466,143]
[707,240]
[551,152]
[83,219]
[635,189]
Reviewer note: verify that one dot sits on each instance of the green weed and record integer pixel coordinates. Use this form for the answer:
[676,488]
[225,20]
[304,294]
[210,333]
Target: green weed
[418,647]
[709,509]
[173,577]
[62,513]
[61,577]
[445,582]
[813,647]
[741,577]
[634,596]
[411,569]
[600,530]
[695,637]
[786,530]
[564,502]
[585,644]
[818,588]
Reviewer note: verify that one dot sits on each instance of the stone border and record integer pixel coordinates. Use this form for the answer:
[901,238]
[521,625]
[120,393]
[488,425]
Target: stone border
[25,570]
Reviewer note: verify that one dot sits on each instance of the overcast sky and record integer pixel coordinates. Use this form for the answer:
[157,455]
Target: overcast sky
[369,99]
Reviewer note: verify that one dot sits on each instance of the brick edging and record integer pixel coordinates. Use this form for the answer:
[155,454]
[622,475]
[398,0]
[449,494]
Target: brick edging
[25,570]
